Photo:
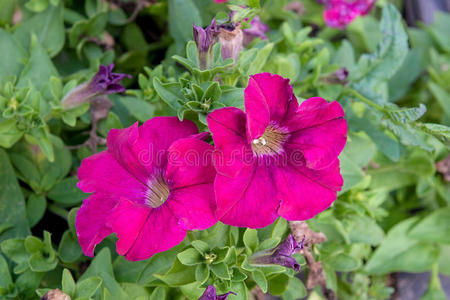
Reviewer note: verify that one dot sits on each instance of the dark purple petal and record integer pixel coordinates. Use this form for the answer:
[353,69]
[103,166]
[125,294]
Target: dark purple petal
[211,294]
[205,39]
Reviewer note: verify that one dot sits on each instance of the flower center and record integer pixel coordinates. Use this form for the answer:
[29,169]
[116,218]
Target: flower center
[271,142]
[158,191]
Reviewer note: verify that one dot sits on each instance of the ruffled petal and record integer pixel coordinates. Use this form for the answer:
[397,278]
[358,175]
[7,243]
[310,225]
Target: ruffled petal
[267,98]
[318,131]
[142,149]
[249,199]
[102,174]
[306,192]
[232,152]
[190,163]
[143,231]
[90,221]
[193,206]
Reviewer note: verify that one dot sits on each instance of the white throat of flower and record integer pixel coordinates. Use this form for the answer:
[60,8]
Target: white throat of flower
[271,142]
[158,191]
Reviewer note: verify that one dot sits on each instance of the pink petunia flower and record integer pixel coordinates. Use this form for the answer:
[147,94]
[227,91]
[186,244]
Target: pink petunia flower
[153,184]
[278,158]
[340,13]
[220,1]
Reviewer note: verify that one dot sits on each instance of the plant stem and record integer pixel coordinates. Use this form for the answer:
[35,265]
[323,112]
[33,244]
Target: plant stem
[366,101]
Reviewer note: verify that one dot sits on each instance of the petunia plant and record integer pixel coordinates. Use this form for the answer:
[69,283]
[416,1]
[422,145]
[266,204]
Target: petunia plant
[214,149]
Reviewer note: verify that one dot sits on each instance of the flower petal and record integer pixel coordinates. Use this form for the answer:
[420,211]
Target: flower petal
[101,173]
[193,206]
[249,199]
[143,231]
[306,192]
[142,149]
[267,98]
[190,163]
[232,151]
[319,132]
[90,221]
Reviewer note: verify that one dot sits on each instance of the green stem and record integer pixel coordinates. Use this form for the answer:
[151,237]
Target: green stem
[366,101]
[63,213]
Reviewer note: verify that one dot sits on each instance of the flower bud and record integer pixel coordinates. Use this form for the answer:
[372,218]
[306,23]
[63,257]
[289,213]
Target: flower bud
[231,38]
[281,255]
[338,77]
[211,294]
[205,40]
[103,83]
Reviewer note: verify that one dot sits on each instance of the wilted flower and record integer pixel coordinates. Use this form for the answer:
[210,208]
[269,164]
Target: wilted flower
[230,38]
[257,29]
[103,83]
[205,40]
[277,158]
[55,294]
[340,13]
[281,255]
[153,184]
[211,294]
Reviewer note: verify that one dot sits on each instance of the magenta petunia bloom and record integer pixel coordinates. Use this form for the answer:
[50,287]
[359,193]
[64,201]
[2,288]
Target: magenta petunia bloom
[153,184]
[340,13]
[220,1]
[278,158]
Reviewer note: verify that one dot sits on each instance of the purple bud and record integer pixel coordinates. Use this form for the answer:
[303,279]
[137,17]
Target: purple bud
[257,29]
[231,39]
[338,77]
[103,83]
[205,40]
[281,255]
[211,294]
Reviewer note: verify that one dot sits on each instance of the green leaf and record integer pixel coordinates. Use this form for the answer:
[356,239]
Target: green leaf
[9,132]
[101,267]
[140,109]
[190,257]
[441,96]
[278,284]
[221,271]
[254,3]
[342,262]
[438,130]
[33,244]
[169,93]
[5,276]
[7,8]
[87,288]
[405,115]
[66,192]
[178,275]
[399,252]
[202,273]
[260,279]
[68,284]
[251,240]
[39,68]
[159,293]
[260,59]
[434,227]
[38,263]
[12,55]
[232,97]
[212,93]
[12,203]
[374,68]
[362,229]
[47,26]
[14,249]
[295,290]
[36,205]
[182,14]
[69,249]
[200,246]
